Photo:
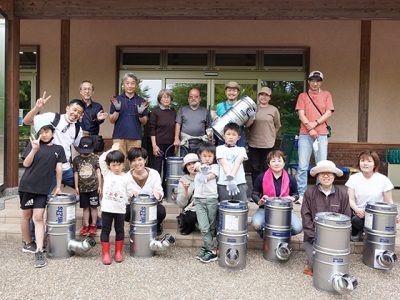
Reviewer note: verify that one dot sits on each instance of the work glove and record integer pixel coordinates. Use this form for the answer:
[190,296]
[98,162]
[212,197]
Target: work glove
[251,113]
[116,103]
[141,108]
[201,177]
[231,186]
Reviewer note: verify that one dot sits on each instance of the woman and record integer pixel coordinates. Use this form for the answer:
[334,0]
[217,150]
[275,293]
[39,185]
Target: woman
[275,182]
[187,219]
[146,181]
[262,132]
[162,129]
[367,186]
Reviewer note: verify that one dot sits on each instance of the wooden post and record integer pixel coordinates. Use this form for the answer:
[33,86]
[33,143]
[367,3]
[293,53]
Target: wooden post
[363,98]
[64,64]
[12,103]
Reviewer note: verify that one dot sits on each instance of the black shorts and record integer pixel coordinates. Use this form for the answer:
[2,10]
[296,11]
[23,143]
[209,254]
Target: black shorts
[89,199]
[30,200]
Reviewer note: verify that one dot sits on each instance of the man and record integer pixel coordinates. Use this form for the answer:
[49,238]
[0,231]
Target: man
[323,197]
[314,108]
[67,131]
[232,91]
[94,113]
[128,112]
[191,123]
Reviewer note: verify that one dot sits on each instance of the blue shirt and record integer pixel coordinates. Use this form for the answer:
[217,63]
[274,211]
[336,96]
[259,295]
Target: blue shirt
[128,125]
[89,121]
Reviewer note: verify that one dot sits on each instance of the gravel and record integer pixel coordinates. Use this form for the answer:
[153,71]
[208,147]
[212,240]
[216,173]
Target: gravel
[175,274]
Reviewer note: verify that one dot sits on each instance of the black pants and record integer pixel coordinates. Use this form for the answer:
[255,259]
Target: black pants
[161,214]
[257,159]
[357,224]
[158,163]
[107,223]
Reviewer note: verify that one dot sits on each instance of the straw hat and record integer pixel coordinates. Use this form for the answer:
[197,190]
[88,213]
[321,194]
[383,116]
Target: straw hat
[326,166]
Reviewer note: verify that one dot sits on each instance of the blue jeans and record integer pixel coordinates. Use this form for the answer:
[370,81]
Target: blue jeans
[67,179]
[258,222]
[305,150]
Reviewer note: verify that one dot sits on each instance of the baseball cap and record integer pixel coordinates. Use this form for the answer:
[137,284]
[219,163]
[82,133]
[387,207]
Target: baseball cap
[85,145]
[233,85]
[265,90]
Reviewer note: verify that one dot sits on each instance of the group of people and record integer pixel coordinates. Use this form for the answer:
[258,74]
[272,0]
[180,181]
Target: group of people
[212,172]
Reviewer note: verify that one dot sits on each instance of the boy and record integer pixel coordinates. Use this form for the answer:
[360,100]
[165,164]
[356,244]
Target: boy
[43,160]
[87,178]
[231,178]
[115,199]
[206,200]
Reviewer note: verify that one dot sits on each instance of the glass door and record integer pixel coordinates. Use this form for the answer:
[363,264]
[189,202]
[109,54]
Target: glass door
[181,87]
[247,88]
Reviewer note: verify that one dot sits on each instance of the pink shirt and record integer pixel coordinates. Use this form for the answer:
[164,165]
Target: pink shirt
[323,100]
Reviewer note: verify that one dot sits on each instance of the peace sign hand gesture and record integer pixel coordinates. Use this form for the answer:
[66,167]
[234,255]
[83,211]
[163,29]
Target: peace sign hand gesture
[35,143]
[42,101]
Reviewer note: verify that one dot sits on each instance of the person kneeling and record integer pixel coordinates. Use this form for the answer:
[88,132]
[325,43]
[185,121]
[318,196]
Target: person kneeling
[323,197]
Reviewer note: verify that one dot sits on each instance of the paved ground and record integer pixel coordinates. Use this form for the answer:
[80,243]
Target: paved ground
[175,275]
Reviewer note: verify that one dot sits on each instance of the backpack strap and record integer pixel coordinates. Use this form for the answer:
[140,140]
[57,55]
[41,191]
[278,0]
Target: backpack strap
[56,120]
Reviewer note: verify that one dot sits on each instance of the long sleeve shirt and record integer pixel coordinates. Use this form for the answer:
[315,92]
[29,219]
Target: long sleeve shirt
[315,201]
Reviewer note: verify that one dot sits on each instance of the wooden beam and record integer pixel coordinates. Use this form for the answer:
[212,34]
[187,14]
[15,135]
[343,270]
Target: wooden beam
[12,103]
[363,98]
[210,9]
[64,64]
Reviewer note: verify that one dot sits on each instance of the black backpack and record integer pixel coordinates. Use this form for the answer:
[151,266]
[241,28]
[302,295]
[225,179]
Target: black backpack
[57,120]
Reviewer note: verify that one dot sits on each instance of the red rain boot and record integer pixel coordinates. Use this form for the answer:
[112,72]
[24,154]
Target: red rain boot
[118,251]
[105,253]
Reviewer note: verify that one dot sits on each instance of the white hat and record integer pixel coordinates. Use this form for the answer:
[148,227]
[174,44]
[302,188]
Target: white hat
[316,75]
[191,157]
[326,166]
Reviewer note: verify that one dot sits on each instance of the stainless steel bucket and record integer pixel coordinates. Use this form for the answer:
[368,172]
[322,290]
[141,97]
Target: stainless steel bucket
[172,188]
[380,235]
[232,234]
[61,209]
[143,225]
[60,224]
[331,253]
[236,114]
[58,237]
[277,230]
[174,166]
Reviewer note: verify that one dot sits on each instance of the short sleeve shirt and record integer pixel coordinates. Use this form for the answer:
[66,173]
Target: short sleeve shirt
[38,177]
[86,167]
[128,125]
[230,154]
[323,100]
[89,119]
[193,122]
[64,135]
[369,189]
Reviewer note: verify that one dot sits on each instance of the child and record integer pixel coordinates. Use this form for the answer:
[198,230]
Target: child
[231,179]
[87,178]
[206,200]
[115,199]
[184,198]
[42,160]
[143,180]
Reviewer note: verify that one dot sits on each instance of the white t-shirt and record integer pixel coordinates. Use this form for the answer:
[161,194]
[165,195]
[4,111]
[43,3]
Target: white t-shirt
[64,139]
[230,154]
[208,189]
[115,189]
[152,184]
[369,189]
